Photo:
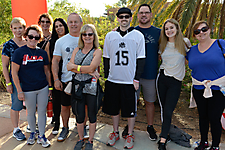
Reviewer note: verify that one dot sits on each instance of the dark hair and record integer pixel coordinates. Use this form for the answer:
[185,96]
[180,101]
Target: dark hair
[45,15]
[36,28]
[55,36]
[144,5]
[195,26]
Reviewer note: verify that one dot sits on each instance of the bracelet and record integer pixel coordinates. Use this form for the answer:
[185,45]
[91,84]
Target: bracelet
[50,88]
[56,80]
[136,81]
[78,68]
[20,92]
[10,83]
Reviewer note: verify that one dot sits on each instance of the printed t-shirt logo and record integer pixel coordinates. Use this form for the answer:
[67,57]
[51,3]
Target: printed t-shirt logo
[27,58]
[122,45]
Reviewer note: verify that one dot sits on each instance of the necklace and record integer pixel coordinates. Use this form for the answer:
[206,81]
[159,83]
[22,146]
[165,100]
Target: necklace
[33,54]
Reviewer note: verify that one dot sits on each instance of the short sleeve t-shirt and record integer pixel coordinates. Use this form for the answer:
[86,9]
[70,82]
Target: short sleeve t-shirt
[31,73]
[151,36]
[64,47]
[123,52]
[8,50]
[209,65]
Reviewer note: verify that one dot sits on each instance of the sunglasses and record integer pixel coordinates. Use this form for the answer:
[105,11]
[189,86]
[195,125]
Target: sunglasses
[33,37]
[87,34]
[203,29]
[126,17]
[45,21]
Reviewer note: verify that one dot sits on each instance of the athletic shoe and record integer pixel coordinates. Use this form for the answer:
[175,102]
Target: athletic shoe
[168,139]
[43,141]
[125,132]
[202,146]
[161,146]
[87,127]
[86,136]
[19,135]
[79,145]
[152,133]
[113,137]
[31,139]
[55,130]
[63,134]
[89,146]
[129,142]
[214,148]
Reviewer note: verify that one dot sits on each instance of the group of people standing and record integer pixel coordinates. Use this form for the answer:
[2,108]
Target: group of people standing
[43,67]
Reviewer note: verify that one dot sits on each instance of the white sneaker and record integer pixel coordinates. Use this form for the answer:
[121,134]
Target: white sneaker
[43,141]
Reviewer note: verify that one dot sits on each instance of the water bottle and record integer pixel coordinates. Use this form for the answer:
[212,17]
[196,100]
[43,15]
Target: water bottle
[49,108]
[222,89]
[196,144]
[93,82]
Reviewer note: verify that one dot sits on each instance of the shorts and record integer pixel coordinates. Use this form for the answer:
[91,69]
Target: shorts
[148,89]
[120,97]
[65,98]
[17,105]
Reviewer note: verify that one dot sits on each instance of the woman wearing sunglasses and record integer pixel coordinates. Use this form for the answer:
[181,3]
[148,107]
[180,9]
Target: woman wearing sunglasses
[85,70]
[172,49]
[207,62]
[30,68]
[60,29]
[45,22]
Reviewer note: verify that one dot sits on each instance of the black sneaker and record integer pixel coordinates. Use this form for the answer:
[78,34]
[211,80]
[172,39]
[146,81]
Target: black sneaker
[125,132]
[202,146]
[79,145]
[161,146]
[55,130]
[89,146]
[63,134]
[152,133]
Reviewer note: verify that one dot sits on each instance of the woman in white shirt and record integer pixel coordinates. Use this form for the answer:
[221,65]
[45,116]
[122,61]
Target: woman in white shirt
[173,49]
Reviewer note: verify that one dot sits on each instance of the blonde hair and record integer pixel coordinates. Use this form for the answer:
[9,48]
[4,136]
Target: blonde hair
[83,30]
[18,20]
[179,39]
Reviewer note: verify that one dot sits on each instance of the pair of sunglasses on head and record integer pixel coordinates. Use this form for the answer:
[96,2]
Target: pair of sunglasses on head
[203,29]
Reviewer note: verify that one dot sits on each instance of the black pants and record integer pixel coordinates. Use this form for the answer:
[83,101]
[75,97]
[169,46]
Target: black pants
[79,108]
[168,89]
[56,101]
[210,111]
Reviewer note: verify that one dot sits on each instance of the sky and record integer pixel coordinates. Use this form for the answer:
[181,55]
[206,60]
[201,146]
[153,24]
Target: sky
[96,7]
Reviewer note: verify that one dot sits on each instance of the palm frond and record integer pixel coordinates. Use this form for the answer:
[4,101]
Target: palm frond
[187,13]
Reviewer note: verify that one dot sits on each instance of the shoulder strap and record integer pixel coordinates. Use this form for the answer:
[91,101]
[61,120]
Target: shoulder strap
[218,41]
[220,46]
[82,61]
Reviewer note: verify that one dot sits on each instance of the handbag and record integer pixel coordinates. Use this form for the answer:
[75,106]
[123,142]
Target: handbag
[100,94]
[68,89]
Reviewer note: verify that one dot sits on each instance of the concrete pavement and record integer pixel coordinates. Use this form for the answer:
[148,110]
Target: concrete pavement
[7,142]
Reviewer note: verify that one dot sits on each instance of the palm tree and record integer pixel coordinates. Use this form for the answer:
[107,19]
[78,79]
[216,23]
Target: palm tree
[186,12]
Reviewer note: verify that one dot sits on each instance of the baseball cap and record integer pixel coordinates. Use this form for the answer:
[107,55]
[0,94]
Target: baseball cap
[124,10]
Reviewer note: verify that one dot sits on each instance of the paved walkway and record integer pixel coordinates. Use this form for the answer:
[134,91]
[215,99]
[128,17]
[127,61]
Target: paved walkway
[7,142]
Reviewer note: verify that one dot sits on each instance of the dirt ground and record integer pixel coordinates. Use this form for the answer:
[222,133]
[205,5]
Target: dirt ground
[183,117]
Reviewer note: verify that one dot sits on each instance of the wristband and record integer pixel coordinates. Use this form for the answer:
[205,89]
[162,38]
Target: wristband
[136,81]
[50,88]
[78,68]
[10,83]
[56,80]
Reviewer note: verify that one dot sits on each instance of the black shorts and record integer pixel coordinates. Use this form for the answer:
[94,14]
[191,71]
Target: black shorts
[120,97]
[65,98]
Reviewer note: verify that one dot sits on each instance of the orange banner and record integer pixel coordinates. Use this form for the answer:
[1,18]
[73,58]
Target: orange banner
[29,10]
